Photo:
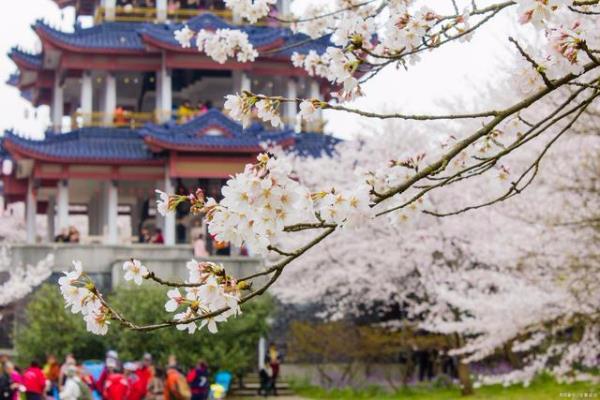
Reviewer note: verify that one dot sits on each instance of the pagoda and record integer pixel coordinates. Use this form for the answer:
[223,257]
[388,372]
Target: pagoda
[132,111]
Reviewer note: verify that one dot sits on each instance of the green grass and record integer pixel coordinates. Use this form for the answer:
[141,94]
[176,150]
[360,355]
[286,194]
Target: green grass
[541,389]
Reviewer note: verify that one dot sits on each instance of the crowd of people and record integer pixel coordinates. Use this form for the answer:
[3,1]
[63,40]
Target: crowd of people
[117,380]
[187,111]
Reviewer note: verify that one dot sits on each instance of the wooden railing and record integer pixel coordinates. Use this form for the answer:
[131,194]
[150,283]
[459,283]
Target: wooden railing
[150,14]
[125,119]
[133,120]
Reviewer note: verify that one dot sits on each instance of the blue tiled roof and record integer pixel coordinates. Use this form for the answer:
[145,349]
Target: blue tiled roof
[127,36]
[196,134]
[92,144]
[126,145]
[13,79]
[315,145]
[33,60]
[3,152]
[259,36]
[300,43]
[122,36]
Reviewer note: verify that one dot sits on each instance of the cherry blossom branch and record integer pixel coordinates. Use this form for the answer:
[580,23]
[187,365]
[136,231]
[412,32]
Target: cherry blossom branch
[277,269]
[514,188]
[538,68]
[489,162]
[442,162]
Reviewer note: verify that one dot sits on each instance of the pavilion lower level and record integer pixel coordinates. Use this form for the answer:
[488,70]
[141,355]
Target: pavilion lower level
[108,172]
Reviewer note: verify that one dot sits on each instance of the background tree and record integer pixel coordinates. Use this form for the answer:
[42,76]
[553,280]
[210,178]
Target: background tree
[51,328]
[234,349]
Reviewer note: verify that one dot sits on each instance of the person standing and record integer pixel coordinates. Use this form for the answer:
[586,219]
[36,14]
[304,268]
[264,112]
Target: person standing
[274,363]
[34,382]
[197,377]
[137,390]
[146,373]
[72,388]
[16,380]
[6,391]
[52,373]
[62,376]
[112,362]
[116,386]
[176,386]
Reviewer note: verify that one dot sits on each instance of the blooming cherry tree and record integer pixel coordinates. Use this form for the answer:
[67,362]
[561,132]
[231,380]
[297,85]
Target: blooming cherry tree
[18,280]
[282,207]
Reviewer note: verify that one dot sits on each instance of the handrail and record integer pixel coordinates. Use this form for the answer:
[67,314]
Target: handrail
[150,14]
[133,120]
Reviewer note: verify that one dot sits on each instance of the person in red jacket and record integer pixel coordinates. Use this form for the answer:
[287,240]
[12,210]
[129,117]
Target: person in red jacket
[34,382]
[116,386]
[137,390]
[112,362]
[146,372]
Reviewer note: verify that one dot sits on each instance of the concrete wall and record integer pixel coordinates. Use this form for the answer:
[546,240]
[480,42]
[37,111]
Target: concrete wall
[166,261]
[331,375]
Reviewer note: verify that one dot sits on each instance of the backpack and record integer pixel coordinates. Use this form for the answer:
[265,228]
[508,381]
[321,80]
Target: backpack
[182,389]
[85,392]
[200,381]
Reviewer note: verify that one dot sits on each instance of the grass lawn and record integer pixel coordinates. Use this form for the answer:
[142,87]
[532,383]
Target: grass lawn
[541,389]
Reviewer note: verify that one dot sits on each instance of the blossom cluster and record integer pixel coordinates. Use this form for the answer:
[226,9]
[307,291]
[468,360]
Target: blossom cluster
[219,45]
[243,107]
[336,65]
[215,292]
[252,10]
[81,297]
[211,296]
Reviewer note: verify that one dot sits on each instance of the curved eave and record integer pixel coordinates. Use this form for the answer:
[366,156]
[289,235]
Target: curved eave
[46,36]
[23,62]
[20,151]
[156,143]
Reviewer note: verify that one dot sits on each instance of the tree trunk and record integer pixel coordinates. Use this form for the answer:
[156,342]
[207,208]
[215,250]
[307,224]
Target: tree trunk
[464,377]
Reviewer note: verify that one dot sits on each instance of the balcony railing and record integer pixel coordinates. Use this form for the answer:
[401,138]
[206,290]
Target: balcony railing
[150,14]
[133,120]
[119,119]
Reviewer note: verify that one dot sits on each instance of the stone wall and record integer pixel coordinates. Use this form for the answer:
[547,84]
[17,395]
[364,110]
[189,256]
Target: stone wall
[166,261]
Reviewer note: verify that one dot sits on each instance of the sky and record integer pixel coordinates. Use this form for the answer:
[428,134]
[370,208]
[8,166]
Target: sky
[451,73]
[15,22]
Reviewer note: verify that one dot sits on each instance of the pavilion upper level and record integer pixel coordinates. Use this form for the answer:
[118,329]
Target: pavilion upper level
[87,75]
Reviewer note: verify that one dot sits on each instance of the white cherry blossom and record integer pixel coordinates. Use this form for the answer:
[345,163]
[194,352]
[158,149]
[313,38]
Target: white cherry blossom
[135,271]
